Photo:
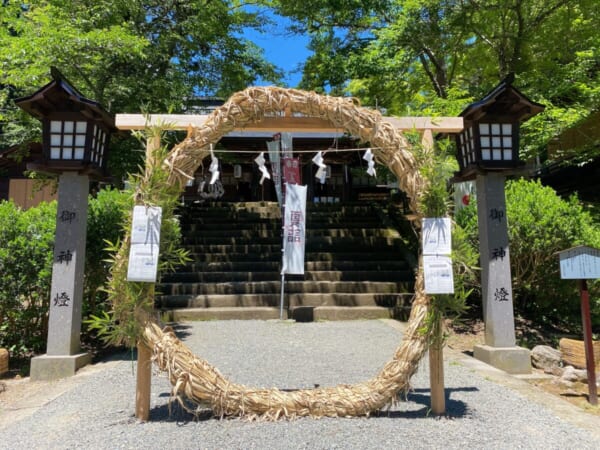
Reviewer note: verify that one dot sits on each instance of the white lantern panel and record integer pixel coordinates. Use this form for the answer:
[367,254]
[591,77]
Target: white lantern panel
[80,140]
[485,155]
[506,129]
[79,153]
[496,142]
[508,154]
[68,140]
[81,127]
[55,126]
[485,141]
[69,126]
[495,128]
[67,153]
[55,140]
[54,152]
[484,128]
[507,142]
[497,154]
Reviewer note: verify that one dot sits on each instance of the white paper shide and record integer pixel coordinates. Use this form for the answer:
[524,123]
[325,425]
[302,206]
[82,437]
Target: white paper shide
[145,242]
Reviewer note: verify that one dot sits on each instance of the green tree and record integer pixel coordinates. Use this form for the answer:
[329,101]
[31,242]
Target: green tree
[128,55]
[436,56]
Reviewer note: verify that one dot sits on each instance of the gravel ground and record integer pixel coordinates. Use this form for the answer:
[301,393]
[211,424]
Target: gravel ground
[96,411]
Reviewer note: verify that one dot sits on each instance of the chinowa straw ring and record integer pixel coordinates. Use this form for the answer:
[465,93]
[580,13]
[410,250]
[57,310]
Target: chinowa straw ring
[194,378]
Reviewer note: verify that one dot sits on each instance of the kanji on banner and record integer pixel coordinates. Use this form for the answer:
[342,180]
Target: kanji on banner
[294,224]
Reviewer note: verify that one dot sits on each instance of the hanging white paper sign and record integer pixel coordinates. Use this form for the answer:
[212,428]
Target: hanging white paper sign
[438,274]
[145,241]
[437,236]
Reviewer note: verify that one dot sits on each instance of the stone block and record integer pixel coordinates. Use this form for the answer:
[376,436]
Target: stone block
[513,360]
[48,368]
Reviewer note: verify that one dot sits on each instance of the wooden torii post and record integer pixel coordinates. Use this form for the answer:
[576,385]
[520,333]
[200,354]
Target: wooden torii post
[425,126]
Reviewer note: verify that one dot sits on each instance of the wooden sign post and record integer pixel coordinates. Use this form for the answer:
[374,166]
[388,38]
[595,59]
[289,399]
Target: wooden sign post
[144,354]
[582,263]
[438,279]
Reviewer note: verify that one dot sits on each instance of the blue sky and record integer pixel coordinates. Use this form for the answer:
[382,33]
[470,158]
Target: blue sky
[282,49]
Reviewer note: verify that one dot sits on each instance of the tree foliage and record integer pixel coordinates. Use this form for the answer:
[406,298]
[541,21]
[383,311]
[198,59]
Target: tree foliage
[433,57]
[130,56]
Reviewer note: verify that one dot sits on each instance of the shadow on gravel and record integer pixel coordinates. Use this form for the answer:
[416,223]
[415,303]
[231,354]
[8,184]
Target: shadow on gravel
[178,415]
[454,409]
[181,330]
[116,355]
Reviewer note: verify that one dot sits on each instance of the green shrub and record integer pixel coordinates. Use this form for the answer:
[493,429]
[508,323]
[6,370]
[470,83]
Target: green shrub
[26,253]
[26,246]
[106,213]
[540,223]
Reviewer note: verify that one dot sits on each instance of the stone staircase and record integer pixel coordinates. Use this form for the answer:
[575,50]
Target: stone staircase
[355,266]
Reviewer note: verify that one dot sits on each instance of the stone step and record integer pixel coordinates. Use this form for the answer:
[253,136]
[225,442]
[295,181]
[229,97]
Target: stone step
[330,275]
[271,206]
[247,313]
[330,313]
[193,237]
[314,242]
[216,214]
[271,287]
[259,249]
[266,266]
[393,300]
[365,255]
[356,268]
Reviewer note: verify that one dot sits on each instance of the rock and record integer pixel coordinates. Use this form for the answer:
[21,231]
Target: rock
[545,357]
[576,375]
[563,384]
[556,371]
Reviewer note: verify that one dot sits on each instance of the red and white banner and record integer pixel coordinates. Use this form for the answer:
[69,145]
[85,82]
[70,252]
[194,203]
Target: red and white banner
[294,229]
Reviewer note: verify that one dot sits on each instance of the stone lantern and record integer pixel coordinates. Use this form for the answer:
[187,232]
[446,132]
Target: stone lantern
[489,141]
[76,134]
[488,151]
[75,130]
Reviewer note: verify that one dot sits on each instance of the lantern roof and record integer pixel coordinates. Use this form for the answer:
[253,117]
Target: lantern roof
[503,101]
[60,96]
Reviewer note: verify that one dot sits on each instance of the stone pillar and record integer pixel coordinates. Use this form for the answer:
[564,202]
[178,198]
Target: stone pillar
[63,352]
[500,348]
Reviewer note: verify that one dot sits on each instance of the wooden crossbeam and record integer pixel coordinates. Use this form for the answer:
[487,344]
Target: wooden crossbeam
[448,125]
